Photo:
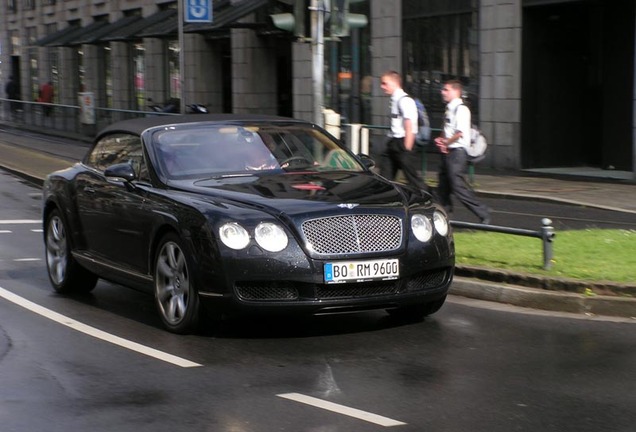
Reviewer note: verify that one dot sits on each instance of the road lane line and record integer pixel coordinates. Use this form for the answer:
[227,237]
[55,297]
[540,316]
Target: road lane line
[27,259]
[5,231]
[19,221]
[341,409]
[94,332]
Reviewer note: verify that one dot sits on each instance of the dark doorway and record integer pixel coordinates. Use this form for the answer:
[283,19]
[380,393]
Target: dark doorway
[576,85]
[284,99]
[15,73]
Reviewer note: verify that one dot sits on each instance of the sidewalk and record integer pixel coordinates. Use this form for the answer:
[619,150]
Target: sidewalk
[33,156]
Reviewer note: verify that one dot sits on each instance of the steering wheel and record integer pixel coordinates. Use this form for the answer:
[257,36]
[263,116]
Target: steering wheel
[294,160]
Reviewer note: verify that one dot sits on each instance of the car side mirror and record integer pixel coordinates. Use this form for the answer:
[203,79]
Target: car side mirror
[366,160]
[123,171]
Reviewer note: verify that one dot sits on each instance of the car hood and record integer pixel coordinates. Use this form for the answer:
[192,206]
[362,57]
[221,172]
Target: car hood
[294,193]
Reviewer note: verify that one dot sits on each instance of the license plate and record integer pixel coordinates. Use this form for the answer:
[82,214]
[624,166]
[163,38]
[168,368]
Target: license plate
[361,271]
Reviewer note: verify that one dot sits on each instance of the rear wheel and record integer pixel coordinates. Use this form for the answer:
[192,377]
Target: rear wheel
[176,296]
[66,275]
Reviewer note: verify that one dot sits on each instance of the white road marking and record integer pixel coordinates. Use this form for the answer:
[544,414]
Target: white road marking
[341,409]
[20,221]
[39,230]
[94,332]
[27,259]
[5,231]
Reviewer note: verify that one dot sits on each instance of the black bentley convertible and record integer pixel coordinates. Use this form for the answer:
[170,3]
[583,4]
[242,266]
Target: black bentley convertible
[218,214]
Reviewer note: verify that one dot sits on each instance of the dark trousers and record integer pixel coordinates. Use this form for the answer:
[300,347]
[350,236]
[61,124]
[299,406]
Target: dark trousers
[396,157]
[452,180]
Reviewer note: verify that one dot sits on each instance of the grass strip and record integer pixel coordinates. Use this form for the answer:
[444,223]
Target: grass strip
[593,255]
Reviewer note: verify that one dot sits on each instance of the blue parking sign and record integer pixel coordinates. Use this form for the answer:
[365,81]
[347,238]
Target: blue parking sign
[198,10]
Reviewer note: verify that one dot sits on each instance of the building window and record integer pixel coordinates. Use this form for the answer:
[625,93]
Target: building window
[108,76]
[348,81]
[31,35]
[15,45]
[11,5]
[173,67]
[29,4]
[33,73]
[139,74]
[54,66]
[440,43]
[49,29]
[48,2]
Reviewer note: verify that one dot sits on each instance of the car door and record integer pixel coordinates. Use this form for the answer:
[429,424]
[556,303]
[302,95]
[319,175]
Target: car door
[112,211]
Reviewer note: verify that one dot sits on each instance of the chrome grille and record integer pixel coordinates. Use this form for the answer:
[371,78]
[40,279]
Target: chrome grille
[361,233]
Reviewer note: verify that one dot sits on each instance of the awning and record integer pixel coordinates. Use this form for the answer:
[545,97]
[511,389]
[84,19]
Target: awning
[132,30]
[161,24]
[53,37]
[226,18]
[165,27]
[72,38]
[98,35]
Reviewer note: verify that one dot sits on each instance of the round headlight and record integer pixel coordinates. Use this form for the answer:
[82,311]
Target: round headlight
[422,227]
[234,236]
[440,222]
[270,237]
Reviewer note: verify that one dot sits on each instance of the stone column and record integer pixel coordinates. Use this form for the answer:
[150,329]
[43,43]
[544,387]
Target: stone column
[253,74]
[122,76]
[203,79]
[156,74]
[500,82]
[386,43]
[302,86]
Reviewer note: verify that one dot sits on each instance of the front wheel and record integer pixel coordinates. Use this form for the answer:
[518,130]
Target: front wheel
[66,275]
[176,296]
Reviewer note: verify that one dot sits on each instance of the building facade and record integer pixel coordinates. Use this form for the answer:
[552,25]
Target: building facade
[552,83]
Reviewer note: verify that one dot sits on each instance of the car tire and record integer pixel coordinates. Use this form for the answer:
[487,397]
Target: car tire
[415,313]
[176,296]
[66,275]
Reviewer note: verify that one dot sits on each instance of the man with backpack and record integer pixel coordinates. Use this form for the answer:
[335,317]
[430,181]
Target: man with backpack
[453,144]
[400,152]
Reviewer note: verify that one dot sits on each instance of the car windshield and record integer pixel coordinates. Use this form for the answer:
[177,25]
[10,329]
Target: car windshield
[213,150]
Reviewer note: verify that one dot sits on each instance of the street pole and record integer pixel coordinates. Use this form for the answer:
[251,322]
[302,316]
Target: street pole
[318,57]
[181,59]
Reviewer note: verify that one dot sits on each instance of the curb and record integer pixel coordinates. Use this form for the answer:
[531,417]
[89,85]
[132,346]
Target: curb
[537,298]
[547,283]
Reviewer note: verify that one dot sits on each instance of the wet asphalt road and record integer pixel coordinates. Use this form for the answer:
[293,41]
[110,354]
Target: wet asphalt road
[474,366]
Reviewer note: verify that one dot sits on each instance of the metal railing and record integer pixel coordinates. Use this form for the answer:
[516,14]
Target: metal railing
[546,234]
[66,118]
[357,137]
[63,118]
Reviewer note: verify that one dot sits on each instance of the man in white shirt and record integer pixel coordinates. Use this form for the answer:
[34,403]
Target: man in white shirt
[452,143]
[400,150]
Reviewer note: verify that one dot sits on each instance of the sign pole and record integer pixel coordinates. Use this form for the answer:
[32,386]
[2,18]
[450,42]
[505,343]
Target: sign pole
[182,103]
[318,57]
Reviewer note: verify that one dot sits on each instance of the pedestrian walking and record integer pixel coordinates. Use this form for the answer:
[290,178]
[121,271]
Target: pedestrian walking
[46,96]
[13,92]
[452,144]
[400,152]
